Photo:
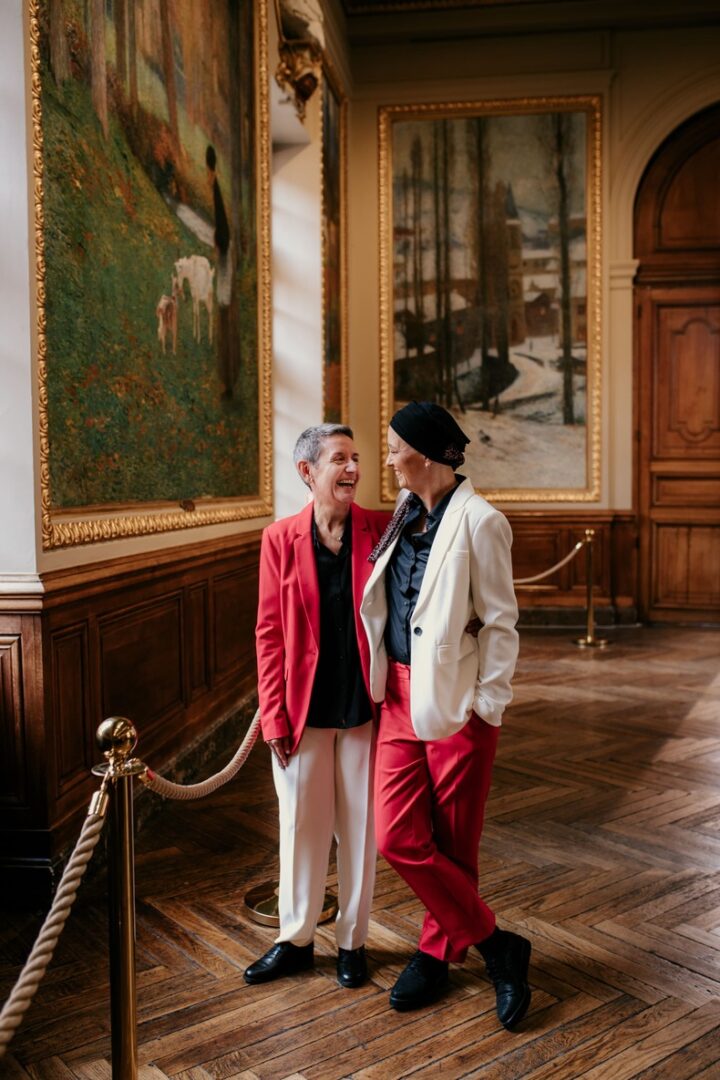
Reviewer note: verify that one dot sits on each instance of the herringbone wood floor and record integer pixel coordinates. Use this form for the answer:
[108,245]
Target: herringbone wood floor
[602,844]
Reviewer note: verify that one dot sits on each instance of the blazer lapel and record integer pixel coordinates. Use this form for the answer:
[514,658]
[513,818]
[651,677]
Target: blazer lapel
[306,570]
[379,567]
[446,531]
[361,548]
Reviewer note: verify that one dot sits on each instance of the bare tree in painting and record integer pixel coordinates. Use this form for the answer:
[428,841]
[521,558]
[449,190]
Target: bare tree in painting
[478,160]
[405,249]
[169,73]
[98,64]
[562,149]
[132,57]
[444,338]
[448,338]
[120,20]
[557,146]
[438,238]
[229,350]
[59,52]
[500,273]
[416,165]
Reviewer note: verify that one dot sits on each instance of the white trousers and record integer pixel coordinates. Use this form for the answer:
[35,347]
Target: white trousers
[326,790]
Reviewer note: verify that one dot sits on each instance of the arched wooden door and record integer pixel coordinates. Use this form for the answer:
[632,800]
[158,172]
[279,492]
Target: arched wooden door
[677,406]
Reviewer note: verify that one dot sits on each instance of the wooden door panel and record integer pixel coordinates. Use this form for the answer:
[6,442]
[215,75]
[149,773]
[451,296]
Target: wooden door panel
[687,566]
[687,381]
[686,490]
[677,404]
[690,216]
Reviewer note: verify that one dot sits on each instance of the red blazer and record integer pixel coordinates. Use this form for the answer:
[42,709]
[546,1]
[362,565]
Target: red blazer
[287,634]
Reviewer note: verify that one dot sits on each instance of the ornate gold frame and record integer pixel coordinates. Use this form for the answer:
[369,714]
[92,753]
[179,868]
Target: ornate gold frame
[592,105]
[91,525]
[330,77]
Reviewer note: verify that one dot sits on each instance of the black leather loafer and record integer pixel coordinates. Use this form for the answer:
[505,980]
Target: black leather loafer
[352,967]
[507,957]
[283,959]
[423,981]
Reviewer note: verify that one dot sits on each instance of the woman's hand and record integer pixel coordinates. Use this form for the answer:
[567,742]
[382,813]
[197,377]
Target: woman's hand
[281,750]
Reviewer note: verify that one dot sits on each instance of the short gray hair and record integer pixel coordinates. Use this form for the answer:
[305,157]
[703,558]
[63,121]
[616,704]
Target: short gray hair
[309,445]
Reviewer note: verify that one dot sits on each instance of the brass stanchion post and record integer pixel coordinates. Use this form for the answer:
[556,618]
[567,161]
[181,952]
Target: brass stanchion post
[117,738]
[590,641]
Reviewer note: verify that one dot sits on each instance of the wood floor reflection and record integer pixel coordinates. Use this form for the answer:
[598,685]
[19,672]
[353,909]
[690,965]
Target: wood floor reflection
[602,844]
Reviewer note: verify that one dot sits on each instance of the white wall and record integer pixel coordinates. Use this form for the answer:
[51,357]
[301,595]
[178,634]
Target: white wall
[297,273]
[17,488]
[297,305]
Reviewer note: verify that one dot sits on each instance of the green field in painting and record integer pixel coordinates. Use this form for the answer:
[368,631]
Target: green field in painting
[127,422]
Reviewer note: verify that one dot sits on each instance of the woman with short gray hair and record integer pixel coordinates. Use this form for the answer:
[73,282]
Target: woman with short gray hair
[316,711]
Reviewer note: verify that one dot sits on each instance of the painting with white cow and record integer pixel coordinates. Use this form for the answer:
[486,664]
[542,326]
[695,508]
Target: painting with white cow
[150,136]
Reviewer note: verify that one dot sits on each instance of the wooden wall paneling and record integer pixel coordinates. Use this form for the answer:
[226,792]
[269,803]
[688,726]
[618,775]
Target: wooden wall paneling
[13,758]
[141,661]
[35,744]
[234,614]
[197,639]
[624,542]
[24,838]
[69,706]
[541,539]
[535,548]
[136,637]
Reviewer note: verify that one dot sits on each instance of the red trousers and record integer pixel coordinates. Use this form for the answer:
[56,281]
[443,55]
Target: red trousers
[429,809]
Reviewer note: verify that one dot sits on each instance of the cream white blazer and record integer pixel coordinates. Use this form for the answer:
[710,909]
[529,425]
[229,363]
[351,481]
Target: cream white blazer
[469,573]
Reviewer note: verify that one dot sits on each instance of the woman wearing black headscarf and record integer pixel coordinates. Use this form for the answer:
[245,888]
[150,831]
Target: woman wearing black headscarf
[443,561]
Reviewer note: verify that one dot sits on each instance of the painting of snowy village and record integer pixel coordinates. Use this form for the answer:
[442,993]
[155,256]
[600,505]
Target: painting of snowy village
[488,236]
[150,241]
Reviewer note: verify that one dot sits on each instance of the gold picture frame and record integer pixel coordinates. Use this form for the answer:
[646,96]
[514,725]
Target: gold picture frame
[95,521]
[485,274]
[336,393]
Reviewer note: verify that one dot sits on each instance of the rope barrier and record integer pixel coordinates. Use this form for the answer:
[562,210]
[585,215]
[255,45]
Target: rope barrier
[24,990]
[557,566]
[42,952]
[167,788]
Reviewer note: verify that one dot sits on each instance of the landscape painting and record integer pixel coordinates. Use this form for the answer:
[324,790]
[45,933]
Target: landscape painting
[333,210]
[490,285]
[151,352]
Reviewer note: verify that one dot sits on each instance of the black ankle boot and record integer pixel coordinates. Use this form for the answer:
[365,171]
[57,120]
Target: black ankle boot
[507,957]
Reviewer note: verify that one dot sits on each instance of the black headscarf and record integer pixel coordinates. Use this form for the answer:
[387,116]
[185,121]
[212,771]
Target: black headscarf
[432,431]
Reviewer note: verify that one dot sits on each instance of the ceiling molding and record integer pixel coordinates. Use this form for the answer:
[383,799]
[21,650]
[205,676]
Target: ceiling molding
[374,20]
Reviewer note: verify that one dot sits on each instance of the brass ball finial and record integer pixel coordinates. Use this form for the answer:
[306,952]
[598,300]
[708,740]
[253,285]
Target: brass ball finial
[117,738]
